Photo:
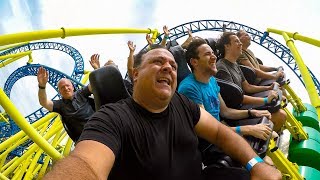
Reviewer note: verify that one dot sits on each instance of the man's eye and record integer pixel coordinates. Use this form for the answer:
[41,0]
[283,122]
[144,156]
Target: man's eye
[157,62]
[174,67]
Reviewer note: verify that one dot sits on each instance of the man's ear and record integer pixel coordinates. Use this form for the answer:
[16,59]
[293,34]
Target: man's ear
[226,47]
[135,74]
[193,62]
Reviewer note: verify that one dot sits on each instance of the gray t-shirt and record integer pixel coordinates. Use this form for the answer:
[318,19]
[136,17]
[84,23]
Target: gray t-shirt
[230,72]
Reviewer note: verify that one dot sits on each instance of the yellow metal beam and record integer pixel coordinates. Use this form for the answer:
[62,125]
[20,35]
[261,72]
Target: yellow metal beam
[7,143]
[310,87]
[154,36]
[26,127]
[295,127]
[13,46]
[296,36]
[295,101]
[31,150]
[39,152]
[287,168]
[7,59]
[2,177]
[63,32]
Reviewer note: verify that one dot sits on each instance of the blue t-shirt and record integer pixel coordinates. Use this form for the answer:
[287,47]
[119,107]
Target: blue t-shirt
[202,93]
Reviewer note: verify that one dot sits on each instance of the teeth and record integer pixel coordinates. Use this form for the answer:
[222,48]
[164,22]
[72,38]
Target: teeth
[164,79]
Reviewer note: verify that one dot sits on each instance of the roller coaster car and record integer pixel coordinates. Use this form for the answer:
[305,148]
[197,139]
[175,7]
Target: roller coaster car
[232,94]
[250,75]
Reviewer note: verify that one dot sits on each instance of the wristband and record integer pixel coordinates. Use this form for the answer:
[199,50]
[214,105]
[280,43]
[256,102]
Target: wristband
[41,87]
[238,130]
[253,162]
[265,100]
[166,37]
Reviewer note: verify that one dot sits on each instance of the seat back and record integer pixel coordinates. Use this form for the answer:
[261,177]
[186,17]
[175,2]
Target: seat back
[249,73]
[231,93]
[212,43]
[171,44]
[107,86]
[259,61]
[183,68]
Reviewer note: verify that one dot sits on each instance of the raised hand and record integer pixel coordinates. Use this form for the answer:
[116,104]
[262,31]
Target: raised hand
[42,77]
[166,31]
[148,38]
[188,41]
[94,61]
[132,47]
[189,33]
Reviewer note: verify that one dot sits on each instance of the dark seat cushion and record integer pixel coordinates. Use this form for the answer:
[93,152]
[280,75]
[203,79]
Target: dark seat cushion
[107,86]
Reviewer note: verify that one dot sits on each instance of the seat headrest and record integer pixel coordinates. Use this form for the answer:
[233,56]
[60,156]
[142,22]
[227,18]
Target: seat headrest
[171,44]
[180,58]
[249,73]
[107,86]
[212,43]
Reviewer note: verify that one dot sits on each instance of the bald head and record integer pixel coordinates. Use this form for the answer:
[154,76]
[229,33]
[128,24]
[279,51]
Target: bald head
[65,88]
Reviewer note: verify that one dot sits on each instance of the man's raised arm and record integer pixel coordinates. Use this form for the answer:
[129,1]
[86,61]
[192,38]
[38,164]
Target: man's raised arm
[42,77]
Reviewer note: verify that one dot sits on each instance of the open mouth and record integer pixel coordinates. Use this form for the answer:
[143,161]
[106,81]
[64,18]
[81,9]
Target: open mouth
[164,81]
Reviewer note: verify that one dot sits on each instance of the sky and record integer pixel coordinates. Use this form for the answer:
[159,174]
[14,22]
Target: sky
[29,15]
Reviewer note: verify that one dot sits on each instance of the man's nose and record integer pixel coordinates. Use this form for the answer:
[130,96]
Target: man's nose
[214,57]
[167,67]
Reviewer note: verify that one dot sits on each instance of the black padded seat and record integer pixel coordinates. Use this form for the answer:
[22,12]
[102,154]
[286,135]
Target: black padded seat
[212,43]
[249,73]
[171,44]
[107,86]
[259,61]
[183,68]
[231,93]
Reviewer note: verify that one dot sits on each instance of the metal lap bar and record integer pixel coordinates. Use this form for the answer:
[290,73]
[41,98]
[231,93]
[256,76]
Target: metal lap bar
[294,100]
